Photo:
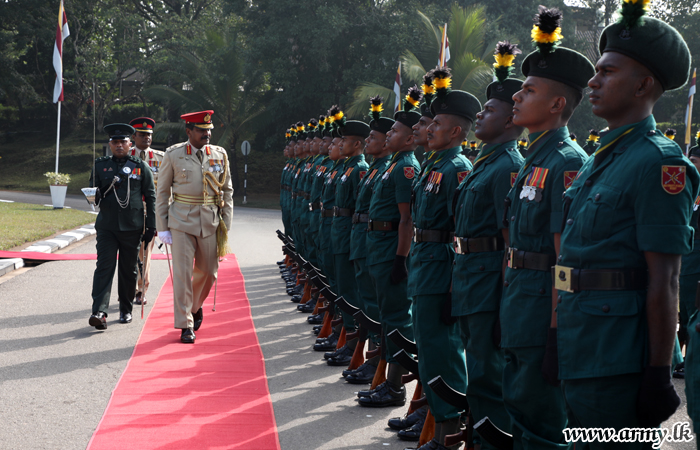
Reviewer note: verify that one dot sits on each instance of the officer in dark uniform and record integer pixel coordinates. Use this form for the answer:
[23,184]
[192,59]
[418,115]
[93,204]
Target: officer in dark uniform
[626,228]
[123,182]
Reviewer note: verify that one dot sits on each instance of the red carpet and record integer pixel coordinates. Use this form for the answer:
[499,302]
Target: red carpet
[210,395]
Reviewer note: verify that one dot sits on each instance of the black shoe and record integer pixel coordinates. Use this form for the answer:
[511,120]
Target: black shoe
[401,423]
[99,321]
[342,358]
[139,298]
[198,317]
[317,318]
[364,374]
[679,371]
[433,444]
[326,345]
[280,263]
[387,396]
[317,331]
[413,432]
[307,307]
[187,336]
[335,352]
[296,298]
[368,392]
[125,318]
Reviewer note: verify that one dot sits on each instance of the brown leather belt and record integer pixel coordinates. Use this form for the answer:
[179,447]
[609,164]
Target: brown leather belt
[327,212]
[286,188]
[294,195]
[575,280]
[342,212]
[379,225]
[440,236]
[478,245]
[360,218]
[518,259]
[315,206]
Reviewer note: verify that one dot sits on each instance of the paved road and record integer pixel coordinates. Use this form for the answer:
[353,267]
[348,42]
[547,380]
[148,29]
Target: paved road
[37,198]
[57,373]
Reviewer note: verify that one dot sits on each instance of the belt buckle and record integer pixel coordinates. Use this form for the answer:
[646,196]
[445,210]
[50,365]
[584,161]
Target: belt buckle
[311,207]
[562,278]
[511,257]
[457,245]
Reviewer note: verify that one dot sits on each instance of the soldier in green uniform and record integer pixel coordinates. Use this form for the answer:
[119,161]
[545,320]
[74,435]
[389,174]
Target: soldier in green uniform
[284,184]
[334,173]
[481,238]
[690,264]
[367,292]
[388,243]
[297,193]
[626,226]
[556,77]
[124,182]
[353,133]
[311,148]
[420,129]
[432,254]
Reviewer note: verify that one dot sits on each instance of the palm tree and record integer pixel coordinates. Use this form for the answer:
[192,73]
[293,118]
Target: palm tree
[470,71]
[214,80]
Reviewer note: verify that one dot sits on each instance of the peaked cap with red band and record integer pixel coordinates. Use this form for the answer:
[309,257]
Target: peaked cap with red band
[144,124]
[201,119]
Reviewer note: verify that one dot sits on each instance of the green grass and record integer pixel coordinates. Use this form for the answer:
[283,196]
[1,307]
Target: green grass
[22,223]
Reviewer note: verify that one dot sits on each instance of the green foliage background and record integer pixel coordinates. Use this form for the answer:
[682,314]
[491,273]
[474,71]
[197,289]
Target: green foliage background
[260,64]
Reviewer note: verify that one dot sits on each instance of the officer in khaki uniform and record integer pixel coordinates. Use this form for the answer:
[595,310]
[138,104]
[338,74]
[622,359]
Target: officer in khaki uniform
[127,206]
[198,177]
[142,138]
[626,228]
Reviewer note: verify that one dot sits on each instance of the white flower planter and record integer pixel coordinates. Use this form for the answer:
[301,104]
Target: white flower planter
[58,195]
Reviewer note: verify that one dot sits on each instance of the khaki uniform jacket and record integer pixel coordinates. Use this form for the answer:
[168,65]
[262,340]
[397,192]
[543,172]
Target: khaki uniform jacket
[153,158]
[183,174]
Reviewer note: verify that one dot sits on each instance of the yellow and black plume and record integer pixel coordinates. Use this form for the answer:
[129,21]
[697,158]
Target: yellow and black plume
[546,32]
[376,107]
[442,81]
[632,12]
[321,122]
[312,125]
[428,88]
[288,135]
[523,143]
[697,138]
[670,133]
[412,99]
[336,116]
[593,136]
[505,56]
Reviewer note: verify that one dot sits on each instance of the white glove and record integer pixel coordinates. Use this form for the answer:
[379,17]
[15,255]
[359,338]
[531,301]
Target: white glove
[166,237]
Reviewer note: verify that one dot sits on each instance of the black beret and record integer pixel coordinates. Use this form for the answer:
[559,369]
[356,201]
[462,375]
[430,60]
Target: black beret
[563,65]
[654,44]
[425,110]
[694,151]
[408,118]
[457,103]
[355,128]
[382,125]
[119,131]
[504,91]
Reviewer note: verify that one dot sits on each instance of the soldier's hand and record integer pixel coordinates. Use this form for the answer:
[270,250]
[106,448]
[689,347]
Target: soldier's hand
[550,364]
[166,237]
[148,235]
[657,399]
[399,272]
[446,311]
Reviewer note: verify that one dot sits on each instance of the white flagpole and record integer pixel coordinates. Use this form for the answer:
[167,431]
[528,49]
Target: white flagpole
[58,133]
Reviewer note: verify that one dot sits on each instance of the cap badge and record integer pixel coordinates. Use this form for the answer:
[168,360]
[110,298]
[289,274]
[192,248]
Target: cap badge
[542,64]
[499,88]
[207,117]
[145,125]
[625,35]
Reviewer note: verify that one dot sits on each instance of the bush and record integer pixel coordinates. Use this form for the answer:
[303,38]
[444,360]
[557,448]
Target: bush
[129,111]
[57,179]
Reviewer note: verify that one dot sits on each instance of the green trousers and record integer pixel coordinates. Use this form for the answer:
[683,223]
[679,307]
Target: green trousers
[536,409]
[485,364]
[692,372]
[395,306]
[440,352]
[109,243]
[347,287]
[325,253]
[367,292]
[607,402]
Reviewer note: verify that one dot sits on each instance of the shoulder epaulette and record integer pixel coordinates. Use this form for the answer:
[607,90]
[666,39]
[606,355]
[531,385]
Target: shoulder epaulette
[103,158]
[178,145]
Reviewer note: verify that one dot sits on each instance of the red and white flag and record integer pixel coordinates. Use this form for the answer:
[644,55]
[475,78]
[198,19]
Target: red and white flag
[444,48]
[62,33]
[689,111]
[397,88]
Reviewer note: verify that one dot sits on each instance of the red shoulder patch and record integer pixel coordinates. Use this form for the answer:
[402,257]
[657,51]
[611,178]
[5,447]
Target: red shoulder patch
[513,177]
[362,174]
[409,172]
[569,177]
[462,175]
[673,179]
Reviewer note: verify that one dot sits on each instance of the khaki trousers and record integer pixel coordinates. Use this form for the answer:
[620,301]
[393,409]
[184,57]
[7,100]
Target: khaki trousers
[191,286]
[145,257]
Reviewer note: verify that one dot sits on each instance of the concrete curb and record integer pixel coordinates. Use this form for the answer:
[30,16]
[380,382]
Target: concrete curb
[48,246]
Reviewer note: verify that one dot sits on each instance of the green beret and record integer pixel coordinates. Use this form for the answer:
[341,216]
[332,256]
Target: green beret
[505,90]
[408,118]
[654,44]
[562,64]
[119,131]
[425,111]
[457,103]
[382,125]
[355,128]
[694,151]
